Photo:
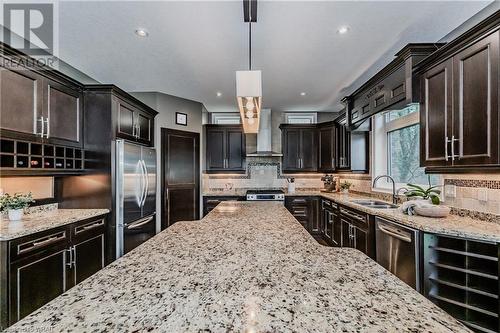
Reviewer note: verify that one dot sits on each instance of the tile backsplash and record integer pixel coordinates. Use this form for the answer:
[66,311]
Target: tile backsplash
[476,195]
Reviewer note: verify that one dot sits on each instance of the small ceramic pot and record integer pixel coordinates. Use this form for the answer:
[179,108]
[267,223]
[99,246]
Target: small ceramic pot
[15,214]
[291,187]
[345,190]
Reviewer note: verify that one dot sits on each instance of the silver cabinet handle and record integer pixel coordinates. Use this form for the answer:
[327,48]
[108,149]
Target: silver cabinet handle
[43,127]
[88,227]
[48,128]
[446,148]
[352,215]
[70,261]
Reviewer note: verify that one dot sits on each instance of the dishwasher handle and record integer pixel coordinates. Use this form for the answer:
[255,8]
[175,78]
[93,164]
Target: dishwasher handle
[395,233]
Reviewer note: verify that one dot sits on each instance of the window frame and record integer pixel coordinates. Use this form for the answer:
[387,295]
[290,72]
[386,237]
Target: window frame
[380,146]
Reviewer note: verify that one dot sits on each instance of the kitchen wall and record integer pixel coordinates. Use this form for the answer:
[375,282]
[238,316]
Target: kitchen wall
[167,106]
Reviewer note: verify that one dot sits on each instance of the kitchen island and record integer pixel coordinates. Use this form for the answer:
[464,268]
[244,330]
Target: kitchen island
[247,266]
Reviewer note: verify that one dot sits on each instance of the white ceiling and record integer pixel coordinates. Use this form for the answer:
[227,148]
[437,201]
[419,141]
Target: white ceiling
[194,48]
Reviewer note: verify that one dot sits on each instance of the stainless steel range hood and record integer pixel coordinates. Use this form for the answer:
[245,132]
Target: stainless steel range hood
[264,137]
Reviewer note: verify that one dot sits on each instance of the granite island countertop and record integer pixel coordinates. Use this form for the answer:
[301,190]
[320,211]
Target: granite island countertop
[45,220]
[453,225]
[246,267]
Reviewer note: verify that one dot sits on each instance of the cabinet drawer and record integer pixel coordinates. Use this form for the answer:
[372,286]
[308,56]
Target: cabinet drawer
[43,242]
[87,228]
[354,217]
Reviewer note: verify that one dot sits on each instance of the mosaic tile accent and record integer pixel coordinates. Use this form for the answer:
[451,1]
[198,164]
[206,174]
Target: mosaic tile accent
[475,215]
[250,170]
[492,184]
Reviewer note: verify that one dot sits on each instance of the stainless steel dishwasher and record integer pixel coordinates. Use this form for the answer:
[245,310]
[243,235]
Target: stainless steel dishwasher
[398,250]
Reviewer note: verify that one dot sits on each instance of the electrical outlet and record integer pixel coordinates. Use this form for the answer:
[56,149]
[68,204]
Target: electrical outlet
[482,194]
[450,191]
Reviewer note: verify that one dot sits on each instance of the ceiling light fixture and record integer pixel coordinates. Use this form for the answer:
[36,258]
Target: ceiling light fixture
[142,32]
[343,29]
[302,93]
[219,94]
[249,83]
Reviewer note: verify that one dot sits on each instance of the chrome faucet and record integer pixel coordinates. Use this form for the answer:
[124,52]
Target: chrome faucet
[394,197]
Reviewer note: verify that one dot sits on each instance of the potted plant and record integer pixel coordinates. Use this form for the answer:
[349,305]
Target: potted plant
[15,204]
[345,186]
[427,201]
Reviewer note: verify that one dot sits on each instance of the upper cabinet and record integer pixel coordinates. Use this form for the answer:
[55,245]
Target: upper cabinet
[225,149]
[299,147]
[110,111]
[459,113]
[327,141]
[392,87]
[40,105]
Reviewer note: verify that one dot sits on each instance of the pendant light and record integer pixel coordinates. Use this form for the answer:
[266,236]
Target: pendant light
[249,83]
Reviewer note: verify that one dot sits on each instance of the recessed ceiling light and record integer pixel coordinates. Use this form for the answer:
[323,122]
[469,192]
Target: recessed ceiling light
[142,32]
[219,94]
[302,93]
[343,29]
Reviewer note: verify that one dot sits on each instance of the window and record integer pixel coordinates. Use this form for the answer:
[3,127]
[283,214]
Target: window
[301,118]
[397,148]
[226,118]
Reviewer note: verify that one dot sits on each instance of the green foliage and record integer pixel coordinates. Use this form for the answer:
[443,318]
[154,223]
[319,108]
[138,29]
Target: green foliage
[345,185]
[419,192]
[16,201]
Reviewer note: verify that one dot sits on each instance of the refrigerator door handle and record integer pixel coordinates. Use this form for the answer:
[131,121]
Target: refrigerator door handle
[139,223]
[140,191]
[146,182]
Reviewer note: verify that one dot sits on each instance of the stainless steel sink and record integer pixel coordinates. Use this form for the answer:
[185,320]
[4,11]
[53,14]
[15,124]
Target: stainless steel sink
[374,204]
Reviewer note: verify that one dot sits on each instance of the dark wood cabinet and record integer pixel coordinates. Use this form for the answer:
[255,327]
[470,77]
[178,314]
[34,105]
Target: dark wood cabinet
[114,111]
[357,231]
[459,110]
[327,141]
[225,149]
[39,267]
[299,148]
[133,124]
[64,104]
[306,210]
[39,104]
[210,202]
[343,148]
[332,228]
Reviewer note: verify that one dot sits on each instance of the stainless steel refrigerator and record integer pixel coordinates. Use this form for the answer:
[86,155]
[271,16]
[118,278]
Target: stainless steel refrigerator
[135,190]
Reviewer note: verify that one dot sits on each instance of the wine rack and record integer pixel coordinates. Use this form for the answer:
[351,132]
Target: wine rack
[24,155]
[461,277]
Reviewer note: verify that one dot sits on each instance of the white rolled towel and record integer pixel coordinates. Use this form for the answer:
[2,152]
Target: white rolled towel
[408,207]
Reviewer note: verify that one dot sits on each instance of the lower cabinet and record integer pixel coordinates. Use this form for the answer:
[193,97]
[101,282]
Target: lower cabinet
[305,209]
[357,230]
[37,268]
[210,202]
[332,228]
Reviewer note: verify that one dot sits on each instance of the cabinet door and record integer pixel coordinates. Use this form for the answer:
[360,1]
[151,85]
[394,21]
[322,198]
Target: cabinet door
[314,217]
[345,228]
[89,257]
[35,281]
[436,116]
[64,114]
[291,149]
[216,155]
[144,127]
[235,149]
[125,120]
[343,147]
[21,98]
[308,150]
[327,149]
[475,90]
[360,239]
[336,235]
[325,217]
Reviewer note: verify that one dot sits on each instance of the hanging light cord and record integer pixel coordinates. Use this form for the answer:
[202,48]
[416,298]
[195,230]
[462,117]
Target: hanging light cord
[250,35]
